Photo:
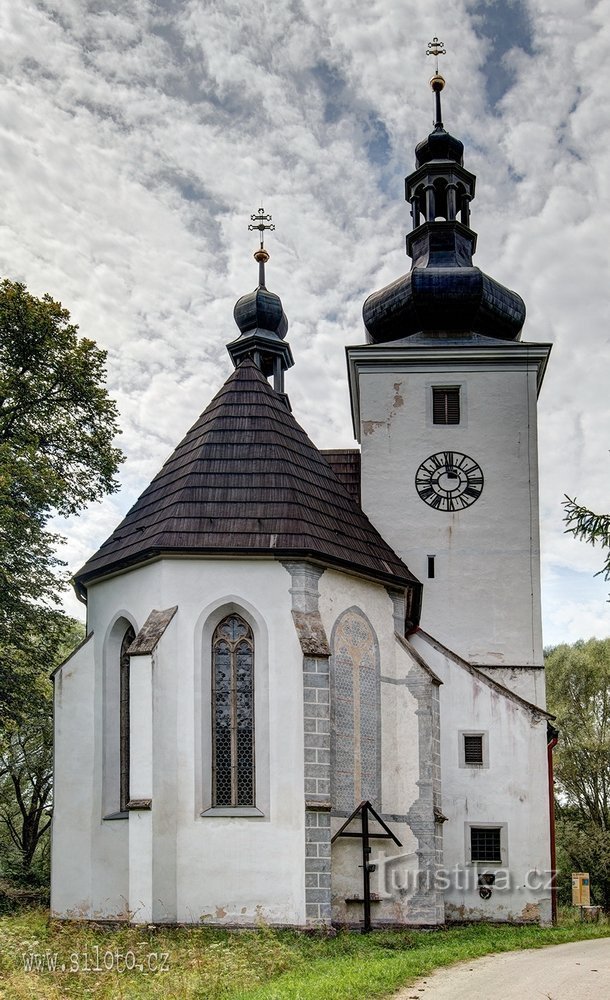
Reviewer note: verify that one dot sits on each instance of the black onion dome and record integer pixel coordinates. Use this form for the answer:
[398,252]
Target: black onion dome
[439,145]
[261,310]
[455,300]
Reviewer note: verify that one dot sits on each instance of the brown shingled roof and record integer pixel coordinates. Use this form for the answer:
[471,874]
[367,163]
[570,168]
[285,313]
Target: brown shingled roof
[246,479]
[345,463]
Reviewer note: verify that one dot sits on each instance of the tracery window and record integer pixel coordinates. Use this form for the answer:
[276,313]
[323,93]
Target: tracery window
[355,742]
[128,638]
[233,713]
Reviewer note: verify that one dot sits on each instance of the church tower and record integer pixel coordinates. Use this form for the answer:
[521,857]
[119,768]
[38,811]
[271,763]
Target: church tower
[444,406]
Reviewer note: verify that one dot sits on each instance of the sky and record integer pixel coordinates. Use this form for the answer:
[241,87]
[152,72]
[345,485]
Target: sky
[137,138]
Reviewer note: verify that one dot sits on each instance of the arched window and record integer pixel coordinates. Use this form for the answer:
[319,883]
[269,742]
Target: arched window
[356,736]
[233,713]
[128,638]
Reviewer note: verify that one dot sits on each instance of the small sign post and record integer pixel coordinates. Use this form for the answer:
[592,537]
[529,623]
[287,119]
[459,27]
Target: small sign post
[581,891]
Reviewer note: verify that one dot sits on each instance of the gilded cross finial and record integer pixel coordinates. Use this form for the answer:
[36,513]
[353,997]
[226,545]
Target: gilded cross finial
[436,49]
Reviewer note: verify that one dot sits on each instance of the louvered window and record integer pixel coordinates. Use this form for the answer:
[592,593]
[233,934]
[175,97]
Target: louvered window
[473,749]
[446,404]
[128,638]
[233,713]
[485,843]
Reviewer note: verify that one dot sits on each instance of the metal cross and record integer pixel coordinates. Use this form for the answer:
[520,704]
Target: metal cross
[436,49]
[261,219]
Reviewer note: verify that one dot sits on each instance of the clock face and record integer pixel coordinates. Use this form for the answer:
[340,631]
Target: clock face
[449,481]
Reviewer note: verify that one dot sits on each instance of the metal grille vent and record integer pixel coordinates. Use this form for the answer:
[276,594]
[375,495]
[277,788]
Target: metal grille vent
[473,749]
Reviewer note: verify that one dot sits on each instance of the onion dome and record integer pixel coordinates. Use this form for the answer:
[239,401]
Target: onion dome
[444,293]
[262,321]
[261,310]
[439,145]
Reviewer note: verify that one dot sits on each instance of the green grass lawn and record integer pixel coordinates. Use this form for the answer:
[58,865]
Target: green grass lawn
[203,964]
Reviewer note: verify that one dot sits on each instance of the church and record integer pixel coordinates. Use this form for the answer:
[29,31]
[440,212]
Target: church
[312,687]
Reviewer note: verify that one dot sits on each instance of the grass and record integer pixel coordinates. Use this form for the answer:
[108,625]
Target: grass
[206,964]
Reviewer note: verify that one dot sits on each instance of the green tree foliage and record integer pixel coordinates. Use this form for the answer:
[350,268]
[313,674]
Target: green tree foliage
[57,426]
[593,528]
[26,772]
[578,691]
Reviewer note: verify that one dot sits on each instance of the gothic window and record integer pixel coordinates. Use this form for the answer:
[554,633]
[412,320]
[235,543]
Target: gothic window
[128,638]
[233,713]
[355,745]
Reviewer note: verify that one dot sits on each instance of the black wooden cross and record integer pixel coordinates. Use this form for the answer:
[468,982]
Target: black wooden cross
[364,833]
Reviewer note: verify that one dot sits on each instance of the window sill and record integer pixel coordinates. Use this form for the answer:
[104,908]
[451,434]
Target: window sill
[246,811]
[117,815]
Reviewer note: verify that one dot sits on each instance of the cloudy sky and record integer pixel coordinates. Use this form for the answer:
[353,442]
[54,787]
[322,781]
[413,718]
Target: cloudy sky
[138,137]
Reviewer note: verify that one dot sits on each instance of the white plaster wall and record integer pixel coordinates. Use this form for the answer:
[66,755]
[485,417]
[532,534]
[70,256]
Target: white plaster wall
[217,868]
[512,790]
[527,683]
[484,601]
[73,790]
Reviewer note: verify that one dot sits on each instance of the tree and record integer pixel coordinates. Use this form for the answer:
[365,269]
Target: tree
[26,769]
[578,690]
[594,528]
[57,425]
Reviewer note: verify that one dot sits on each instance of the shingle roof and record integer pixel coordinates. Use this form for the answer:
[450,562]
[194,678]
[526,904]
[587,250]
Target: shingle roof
[246,479]
[345,463]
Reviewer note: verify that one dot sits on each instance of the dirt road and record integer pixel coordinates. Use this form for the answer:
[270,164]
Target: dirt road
[576,971]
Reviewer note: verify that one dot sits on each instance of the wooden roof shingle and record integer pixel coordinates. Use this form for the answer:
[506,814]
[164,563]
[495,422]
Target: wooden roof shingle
[247,480]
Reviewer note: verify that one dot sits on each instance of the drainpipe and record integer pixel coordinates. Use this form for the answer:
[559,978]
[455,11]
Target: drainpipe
[552,740]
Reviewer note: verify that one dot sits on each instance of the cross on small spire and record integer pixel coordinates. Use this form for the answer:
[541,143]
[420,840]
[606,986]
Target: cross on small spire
[261,219]
[436,49]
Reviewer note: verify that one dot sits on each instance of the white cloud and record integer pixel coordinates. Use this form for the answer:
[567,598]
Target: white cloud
[137,138]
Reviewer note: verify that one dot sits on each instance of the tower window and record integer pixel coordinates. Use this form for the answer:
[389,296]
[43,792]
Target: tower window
[233,713]
[485,843]
[431,567]
[473,749]
[446,404]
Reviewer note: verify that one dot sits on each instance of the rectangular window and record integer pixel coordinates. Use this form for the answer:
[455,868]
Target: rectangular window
[445,404]
[430,567]
[485,844]
[473,749]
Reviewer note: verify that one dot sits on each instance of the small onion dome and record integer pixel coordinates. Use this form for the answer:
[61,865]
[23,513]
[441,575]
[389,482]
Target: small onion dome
[454,300]
[261,310]
[439,145]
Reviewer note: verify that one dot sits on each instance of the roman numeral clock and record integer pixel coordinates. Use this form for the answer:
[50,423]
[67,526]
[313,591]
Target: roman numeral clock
[449,481]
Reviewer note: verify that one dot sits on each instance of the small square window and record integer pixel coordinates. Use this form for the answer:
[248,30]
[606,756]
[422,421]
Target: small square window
[446,404]
[473,749]
[485,844]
